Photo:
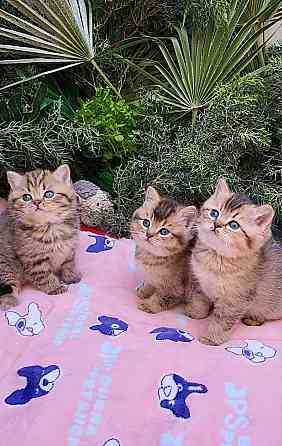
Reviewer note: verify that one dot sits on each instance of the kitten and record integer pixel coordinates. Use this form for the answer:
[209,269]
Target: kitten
[39,233]
[236,263]
[162,231]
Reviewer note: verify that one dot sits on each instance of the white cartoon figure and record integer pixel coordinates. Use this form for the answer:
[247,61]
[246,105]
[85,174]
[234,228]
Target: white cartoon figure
[254,351]
[112,442]
[30,324]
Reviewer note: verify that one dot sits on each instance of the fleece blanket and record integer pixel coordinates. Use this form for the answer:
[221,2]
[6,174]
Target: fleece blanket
[87,368]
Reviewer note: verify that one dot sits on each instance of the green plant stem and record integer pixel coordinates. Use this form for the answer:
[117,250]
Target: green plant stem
[194,116]
[260,41]
[108,82]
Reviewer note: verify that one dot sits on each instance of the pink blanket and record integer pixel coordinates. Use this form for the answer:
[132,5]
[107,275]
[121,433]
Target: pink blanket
[87,368]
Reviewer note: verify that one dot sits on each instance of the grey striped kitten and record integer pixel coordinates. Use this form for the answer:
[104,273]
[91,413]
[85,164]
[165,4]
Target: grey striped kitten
[38,234]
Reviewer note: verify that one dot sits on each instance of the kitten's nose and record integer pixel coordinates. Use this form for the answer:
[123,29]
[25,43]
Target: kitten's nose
[149,235]
[37,203]
[216,225]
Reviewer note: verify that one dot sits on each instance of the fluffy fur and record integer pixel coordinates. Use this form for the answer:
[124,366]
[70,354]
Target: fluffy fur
[236,265]
[39,233]
[162,231]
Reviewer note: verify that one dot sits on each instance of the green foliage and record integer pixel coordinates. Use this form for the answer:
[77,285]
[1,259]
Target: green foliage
[48,143]
[50,33]
[116,124]
[192,68]
[200,12]
[231,138]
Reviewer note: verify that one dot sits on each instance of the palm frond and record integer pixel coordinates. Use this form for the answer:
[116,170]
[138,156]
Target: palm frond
[53,32]
[193,68]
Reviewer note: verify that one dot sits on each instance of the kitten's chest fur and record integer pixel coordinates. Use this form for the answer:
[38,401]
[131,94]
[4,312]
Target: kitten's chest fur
[171,272]
[220,277]
[54,242]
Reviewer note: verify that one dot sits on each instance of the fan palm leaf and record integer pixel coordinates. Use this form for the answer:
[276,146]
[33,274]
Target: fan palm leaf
[51,32]
[193,68]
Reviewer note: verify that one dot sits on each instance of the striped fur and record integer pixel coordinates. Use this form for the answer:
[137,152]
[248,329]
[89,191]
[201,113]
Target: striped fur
[238,273]
[39,236]
[162,260]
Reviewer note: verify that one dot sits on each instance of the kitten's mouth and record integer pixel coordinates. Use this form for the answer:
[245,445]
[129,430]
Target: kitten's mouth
[38,209]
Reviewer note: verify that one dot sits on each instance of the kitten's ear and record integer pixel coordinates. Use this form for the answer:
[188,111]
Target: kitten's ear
[222,188]
[14,179]
[62,174]
[264,216]
[186,215]
[151,195]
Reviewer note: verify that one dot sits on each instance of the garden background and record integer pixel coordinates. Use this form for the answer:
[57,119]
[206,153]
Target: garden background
[161,92]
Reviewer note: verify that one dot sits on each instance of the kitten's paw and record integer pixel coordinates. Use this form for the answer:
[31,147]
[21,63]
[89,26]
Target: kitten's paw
[208,341]
[148,306]
[213,340]
[252,322]
[70,276]
[144,291]
[59,290]
[8,301]
[197,309]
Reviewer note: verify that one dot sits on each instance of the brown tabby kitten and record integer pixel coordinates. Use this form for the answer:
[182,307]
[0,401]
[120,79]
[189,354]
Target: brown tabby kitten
[39,233]
[162,231]
[236,263]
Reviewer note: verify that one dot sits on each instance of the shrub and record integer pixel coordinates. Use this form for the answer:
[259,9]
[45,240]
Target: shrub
[231,138]
[115,123]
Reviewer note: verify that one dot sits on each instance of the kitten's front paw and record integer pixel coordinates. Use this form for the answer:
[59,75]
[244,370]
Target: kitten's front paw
[208,341]
[197,309]
[8,301]
[148,306]
[59,290]
[217,337]
[70,276]
[144,291]
[252,322]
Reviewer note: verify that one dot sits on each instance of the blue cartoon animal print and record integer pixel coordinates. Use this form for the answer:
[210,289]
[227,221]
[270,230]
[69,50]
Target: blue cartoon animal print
[110,326]
[112,442]
[172,334]
[102,243]
[173,392]
[40,382]
[254,351]
[29,324]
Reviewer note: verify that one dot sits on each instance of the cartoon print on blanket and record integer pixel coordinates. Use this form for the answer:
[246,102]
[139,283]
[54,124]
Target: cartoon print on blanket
[112,442]
[40,382]
[29,324]
[110,326]
[254,351]
[172,334]
[173,392]
[102,243]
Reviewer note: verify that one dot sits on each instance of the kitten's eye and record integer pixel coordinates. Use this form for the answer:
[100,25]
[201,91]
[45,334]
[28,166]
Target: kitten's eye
[49,194]
[233,225]
[164,232]
[146,223]
[213,214]
[27,197]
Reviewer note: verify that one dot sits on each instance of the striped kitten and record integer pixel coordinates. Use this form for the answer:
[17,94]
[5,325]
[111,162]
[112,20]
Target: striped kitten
[237,265]
[162,231]
[39,233]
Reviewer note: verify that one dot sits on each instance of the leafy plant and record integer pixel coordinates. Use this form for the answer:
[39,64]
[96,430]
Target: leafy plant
[232,138]
[192,69]
[116,123]
[51,32]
